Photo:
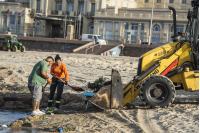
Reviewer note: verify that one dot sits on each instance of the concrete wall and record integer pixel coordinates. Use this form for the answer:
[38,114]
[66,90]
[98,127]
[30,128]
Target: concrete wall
[136,50]
[48,44]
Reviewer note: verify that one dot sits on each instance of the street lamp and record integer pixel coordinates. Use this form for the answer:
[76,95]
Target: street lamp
[151,23]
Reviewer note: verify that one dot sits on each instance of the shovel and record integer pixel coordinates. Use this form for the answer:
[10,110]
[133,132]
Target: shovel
[74,88]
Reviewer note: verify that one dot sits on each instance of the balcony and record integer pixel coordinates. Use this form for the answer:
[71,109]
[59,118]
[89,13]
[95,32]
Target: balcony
[54,12]
[39,11]
[140,16]
[90,14]
[66,12]
[18,1]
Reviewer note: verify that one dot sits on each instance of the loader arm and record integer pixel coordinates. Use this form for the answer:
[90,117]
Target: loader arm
[131,90]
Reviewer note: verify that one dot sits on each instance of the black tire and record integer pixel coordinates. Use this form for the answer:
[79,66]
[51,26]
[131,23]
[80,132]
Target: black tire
[14,48]
[5,47]
[157,90]
[23,49]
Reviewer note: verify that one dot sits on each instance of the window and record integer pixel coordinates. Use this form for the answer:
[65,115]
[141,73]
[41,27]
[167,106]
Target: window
[38,6]
[101,32]
[184,1]
[58,5]
[188,29]
[108,35]
[70,6]
[116,26]
[171,29]
[142,27]
[146,1]
[126,27]
[171,1]
[101,25]
[179,28]
[18,25]
[116,35]
[90,28]
[156,28]
[109,25]
[81,6]
[12,19]
[134,27]
[12,23]
[37,27]
[89,36]
[158,1]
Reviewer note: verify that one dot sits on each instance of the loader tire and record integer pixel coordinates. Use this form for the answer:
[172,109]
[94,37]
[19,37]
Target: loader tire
[157,91]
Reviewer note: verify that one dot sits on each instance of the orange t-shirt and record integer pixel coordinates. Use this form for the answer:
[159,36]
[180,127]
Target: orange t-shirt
[60,71]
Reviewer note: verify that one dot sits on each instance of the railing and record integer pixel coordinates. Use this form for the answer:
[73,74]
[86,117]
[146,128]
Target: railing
[19,1]
[90,14]
[54,12]
[112,38]
[65,12]
[92,47]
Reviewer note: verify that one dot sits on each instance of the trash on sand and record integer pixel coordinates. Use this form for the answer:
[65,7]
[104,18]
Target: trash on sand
[67,111]
[3,126]
[92,109]
[52,113]
[67,118]
[74,111]
[3,82]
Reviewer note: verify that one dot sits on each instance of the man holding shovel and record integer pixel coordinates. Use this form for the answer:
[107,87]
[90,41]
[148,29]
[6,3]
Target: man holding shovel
[36,80]
[59,72]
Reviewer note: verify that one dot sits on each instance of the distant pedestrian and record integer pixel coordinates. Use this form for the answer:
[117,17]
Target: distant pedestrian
[58,71]
[36,80]
[79,38]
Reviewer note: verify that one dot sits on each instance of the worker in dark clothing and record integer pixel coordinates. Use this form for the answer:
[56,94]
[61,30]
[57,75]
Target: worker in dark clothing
[58,71]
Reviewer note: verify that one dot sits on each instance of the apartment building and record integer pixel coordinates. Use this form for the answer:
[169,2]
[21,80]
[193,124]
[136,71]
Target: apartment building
[14,14]
[114,22]
[110,18]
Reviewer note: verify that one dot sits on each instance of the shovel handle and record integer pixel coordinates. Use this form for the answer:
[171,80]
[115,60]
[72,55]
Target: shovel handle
[43,88]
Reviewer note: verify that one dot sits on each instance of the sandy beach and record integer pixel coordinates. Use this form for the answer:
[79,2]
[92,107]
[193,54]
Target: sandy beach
[181,117]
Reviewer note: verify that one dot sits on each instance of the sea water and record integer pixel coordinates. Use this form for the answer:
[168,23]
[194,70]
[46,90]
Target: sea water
[7,116]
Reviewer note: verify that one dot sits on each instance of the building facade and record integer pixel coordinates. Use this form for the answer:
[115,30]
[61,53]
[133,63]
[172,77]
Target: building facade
[110,18]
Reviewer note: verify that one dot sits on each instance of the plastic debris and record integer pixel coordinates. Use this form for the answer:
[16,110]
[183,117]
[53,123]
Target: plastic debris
[52,113]
[4,126]
[3,82]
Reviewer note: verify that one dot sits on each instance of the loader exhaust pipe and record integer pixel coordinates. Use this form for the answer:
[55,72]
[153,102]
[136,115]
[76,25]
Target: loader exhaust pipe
[176,37]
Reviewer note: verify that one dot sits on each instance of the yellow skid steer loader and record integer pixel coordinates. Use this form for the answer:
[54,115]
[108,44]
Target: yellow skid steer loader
[160,71]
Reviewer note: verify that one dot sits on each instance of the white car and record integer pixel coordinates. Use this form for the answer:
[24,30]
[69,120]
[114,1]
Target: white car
[97,38]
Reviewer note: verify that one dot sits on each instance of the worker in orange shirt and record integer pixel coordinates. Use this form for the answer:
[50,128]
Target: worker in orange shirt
[58,71]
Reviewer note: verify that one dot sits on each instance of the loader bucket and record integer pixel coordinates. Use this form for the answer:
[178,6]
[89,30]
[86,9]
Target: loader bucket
[110,96]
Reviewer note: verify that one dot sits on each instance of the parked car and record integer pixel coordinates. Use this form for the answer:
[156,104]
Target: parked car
[97,38]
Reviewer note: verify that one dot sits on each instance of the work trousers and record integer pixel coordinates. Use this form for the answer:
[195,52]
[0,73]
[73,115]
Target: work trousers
[59,84]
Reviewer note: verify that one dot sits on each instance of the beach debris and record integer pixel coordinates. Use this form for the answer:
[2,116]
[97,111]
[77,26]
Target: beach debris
[43,118]
[60,129]
[4,126]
